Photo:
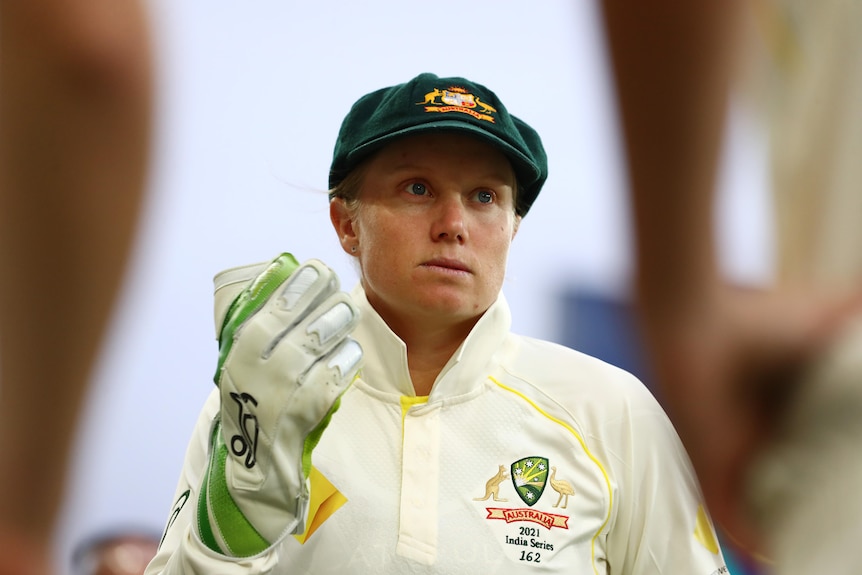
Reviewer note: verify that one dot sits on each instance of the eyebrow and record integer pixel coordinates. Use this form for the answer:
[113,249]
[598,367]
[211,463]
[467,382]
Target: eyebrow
[508,179]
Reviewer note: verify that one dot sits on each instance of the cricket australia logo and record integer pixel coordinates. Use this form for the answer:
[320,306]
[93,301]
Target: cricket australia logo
[457,99]
[245,443]
[529,475]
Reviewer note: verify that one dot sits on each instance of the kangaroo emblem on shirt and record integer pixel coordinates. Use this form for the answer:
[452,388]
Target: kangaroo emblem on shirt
[492,486]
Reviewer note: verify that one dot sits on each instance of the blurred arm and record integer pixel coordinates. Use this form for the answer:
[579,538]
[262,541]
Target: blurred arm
[671,62]
[75,111]
[726,360]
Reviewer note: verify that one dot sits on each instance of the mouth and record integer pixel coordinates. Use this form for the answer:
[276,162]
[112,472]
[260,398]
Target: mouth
[447,265]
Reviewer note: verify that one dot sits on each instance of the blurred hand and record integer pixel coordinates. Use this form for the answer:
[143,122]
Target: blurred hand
[21,554]
[726,369]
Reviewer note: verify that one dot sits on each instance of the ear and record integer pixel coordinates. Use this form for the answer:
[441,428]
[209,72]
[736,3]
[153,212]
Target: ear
[343,224]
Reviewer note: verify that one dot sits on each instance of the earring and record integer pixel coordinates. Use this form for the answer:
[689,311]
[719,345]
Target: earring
[353,249]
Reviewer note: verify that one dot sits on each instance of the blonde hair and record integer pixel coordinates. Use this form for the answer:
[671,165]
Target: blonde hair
[348,189]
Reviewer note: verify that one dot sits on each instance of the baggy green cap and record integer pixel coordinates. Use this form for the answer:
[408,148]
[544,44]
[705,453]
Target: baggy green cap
[428,103]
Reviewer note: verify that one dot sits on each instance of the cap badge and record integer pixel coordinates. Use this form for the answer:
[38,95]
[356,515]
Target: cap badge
[456,99]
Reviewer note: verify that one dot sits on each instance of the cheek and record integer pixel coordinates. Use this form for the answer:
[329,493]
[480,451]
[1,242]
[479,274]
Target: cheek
[502,256]
[496,254]
[373,236]
[379,248]
[382,233]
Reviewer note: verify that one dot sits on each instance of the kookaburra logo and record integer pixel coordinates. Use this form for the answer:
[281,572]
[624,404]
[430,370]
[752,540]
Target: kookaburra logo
[246,443]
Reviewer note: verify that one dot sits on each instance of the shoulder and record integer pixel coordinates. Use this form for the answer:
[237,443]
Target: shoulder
[607,406]
[567,374]
[616,415]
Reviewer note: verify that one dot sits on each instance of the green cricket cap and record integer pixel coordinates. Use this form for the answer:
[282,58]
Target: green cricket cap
[428,103]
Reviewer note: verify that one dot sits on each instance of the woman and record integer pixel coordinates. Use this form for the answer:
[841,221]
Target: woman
[459,447]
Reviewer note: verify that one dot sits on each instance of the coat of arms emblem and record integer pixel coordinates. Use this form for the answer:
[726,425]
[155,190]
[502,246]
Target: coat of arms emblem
[530,475]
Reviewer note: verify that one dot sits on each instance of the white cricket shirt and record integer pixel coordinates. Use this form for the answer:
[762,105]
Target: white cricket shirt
[527,457]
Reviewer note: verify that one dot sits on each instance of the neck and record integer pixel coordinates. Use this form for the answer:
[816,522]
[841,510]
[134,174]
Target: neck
[429,351]
[425,365]
[429,348]
[431,339]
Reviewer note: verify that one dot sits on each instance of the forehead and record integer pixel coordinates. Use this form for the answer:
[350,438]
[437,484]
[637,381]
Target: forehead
[444,150]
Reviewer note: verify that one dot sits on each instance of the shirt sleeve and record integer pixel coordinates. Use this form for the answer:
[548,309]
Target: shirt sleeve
[661,526]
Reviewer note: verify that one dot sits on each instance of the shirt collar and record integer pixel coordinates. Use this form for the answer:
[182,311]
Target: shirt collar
[385,360]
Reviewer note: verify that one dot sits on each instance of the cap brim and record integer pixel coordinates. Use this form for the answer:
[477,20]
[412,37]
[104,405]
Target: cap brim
[526,171]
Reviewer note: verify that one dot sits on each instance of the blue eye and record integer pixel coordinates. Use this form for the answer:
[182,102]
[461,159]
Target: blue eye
[485,196]
[417,189]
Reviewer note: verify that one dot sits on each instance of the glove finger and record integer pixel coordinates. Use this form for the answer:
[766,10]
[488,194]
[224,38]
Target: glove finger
[302,311]
[324,383]
[346,358]
[304,291]
[249,302]
[320,331]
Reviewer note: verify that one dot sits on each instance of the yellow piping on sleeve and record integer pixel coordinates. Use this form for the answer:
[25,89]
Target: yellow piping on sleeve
[586,450]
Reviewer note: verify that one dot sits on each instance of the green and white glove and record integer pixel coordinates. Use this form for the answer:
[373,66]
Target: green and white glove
[285,359]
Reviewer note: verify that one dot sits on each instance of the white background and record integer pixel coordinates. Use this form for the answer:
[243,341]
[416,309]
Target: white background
[251,95]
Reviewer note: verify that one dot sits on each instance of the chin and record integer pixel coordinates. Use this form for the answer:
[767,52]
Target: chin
[457,308]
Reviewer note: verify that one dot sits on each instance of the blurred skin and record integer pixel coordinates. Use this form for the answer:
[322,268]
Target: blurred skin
[74,143]
[726,360]
[432,234]
[123,555]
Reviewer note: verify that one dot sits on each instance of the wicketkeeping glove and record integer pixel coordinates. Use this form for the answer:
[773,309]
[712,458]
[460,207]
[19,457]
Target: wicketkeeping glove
[285,359]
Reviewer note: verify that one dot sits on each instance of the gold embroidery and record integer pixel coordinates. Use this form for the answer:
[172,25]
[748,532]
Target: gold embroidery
[492,486]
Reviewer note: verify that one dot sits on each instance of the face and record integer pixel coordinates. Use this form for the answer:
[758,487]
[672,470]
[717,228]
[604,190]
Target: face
[433,228]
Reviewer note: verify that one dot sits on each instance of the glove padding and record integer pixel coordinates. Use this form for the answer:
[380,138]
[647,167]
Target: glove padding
[285,359]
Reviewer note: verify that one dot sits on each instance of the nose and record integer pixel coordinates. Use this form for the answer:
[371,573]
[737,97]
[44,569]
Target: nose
[449,222]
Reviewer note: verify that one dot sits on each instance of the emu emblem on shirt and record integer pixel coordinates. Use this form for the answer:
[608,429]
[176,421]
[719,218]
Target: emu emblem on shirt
[530,475]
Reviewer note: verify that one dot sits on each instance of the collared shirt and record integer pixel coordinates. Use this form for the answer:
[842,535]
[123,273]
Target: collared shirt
[526,457]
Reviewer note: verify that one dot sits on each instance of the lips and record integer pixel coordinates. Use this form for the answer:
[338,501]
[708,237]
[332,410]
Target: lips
[454,265]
